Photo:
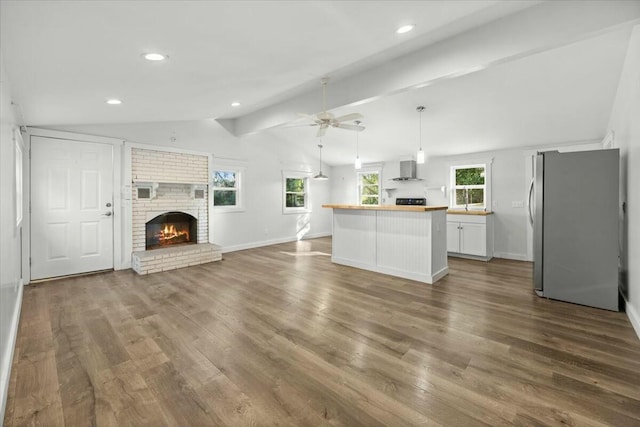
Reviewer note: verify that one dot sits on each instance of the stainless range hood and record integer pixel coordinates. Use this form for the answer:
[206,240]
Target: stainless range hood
[407,171]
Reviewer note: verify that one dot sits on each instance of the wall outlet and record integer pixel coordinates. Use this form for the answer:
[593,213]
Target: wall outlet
[517,204]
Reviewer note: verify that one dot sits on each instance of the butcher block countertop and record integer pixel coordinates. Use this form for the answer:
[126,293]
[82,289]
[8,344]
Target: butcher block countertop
[463,212]
[388,207]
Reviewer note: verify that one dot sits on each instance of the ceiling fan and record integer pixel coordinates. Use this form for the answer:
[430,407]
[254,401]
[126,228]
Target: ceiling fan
[325,120]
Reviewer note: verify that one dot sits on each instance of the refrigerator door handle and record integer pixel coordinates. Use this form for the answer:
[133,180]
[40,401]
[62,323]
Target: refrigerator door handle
[529,204]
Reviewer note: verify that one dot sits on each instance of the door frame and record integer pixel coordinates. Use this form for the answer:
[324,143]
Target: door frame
[118,262]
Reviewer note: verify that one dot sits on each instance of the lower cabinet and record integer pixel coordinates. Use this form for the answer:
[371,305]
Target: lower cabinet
[470,235]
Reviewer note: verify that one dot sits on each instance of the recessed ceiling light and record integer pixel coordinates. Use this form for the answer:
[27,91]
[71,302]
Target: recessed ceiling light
[114,101]
[235,104]
[154,56]
[404,29]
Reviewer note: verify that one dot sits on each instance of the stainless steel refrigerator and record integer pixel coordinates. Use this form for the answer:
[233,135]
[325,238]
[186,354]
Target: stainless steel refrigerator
[573,207]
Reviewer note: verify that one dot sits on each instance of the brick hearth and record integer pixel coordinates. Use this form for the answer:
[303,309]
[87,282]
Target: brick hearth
[145,262]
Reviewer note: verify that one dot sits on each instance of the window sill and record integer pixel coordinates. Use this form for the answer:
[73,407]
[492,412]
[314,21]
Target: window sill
[294,211]
[228,209]
[462,208]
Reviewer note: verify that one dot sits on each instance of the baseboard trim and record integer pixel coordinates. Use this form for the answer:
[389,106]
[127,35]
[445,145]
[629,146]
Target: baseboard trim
[507,255]
[252,245]
[5,369]
[633,316]
[430,279]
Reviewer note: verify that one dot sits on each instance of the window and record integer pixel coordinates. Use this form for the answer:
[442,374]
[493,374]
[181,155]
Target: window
[227,189]
[369,188]
[469,186]
[296,192]
[296,196]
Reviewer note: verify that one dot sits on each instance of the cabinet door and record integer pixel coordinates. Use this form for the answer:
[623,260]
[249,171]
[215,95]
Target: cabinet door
[473,239]
[453,237]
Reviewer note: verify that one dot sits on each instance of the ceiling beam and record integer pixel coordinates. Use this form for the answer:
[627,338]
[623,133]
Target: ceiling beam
[536,29]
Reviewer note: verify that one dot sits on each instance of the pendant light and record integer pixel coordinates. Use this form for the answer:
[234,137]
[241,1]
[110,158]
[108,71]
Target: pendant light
[420,154]
[320,175]
[358,164]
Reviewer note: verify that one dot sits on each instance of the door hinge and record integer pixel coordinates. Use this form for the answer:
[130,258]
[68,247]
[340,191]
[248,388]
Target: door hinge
[29,261]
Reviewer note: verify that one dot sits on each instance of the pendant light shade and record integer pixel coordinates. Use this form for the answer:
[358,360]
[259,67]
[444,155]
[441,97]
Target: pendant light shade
[320,175]
[358,163]
[420,153]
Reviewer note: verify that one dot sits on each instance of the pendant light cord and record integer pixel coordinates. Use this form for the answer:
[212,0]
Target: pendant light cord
[357,122]
[420,130]
[420,110]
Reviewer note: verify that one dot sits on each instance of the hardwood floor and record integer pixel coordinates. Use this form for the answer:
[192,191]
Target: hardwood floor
[281,336]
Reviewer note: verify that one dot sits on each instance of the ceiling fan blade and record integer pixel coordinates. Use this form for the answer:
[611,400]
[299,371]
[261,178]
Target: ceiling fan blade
[349,127]
[349,117]
[305,116]
[302,125]
[322,131]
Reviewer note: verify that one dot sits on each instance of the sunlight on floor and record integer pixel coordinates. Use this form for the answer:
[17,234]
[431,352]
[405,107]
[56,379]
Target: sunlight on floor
[313,253]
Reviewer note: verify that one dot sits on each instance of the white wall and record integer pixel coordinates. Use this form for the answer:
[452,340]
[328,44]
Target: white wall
[625,123]
[10,268]
[263,156]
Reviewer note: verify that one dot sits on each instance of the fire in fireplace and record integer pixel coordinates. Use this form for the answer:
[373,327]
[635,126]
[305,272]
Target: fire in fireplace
[171,228]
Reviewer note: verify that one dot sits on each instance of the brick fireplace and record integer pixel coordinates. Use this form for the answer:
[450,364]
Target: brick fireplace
[170,204]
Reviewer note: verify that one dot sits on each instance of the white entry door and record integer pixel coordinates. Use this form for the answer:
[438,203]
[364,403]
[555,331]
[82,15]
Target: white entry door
[71,207]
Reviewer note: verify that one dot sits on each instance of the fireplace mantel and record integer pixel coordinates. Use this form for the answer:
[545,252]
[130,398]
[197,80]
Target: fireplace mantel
[152,188]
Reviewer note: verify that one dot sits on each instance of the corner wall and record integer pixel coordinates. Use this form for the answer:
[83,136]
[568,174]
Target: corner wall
[625,123]
[10,235]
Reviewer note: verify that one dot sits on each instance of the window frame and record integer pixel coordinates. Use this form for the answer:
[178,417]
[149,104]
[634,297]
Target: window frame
[307,193]
[481,163]
[359,187]
[239,172]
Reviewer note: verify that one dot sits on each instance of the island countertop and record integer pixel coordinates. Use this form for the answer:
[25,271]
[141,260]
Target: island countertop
[408,208]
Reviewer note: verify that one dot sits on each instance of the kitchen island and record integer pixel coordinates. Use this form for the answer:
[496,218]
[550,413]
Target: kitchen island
[403,241]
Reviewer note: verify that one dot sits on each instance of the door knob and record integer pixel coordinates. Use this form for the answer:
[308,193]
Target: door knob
[108,214]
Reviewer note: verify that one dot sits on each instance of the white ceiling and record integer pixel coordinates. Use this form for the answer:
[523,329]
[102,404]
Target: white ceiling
[543,83]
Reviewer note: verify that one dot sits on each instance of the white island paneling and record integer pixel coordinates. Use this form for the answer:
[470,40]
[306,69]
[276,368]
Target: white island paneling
[408,242]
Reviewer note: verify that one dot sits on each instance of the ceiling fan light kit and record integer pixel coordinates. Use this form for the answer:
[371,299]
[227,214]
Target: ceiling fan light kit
[420,153]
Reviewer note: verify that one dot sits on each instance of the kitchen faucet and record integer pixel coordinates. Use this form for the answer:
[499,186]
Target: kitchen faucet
[466,199]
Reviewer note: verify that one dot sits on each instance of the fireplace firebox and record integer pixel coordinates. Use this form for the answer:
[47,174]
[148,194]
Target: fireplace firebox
[171,228]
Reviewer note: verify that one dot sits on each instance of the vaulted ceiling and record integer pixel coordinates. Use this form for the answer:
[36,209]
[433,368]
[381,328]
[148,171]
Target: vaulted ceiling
[491,74]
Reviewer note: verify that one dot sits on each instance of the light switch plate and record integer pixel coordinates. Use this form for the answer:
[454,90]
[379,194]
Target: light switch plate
[517,204]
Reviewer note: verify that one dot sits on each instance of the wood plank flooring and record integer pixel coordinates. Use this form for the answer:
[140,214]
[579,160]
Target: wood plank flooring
[281,336]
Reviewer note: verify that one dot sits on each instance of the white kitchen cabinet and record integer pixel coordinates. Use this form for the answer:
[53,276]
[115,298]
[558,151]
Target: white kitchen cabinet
[470,235]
